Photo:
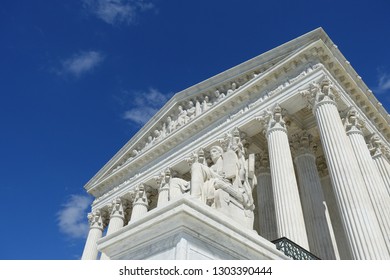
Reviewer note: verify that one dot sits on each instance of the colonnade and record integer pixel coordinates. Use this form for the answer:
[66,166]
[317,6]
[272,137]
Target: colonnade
[114,218]
[291,201]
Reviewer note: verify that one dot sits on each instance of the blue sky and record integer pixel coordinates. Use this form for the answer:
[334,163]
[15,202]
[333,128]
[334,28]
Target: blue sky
[78,78]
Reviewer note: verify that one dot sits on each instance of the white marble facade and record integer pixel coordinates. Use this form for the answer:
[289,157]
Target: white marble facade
[291,144]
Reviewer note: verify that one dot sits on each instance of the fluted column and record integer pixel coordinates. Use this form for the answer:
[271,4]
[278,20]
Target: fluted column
[289,216]
[140,204]
[371,176]
[358,216]
[380,156]
[265,198]
[117,220]
[95,233]
[312,197]
[339,238]
[163,191]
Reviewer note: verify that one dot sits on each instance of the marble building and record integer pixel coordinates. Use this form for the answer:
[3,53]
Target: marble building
[290,145]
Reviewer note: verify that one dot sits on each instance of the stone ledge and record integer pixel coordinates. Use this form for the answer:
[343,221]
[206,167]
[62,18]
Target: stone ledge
[162,232]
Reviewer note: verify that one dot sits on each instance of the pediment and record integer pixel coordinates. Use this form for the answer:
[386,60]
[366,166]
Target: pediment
[225,95]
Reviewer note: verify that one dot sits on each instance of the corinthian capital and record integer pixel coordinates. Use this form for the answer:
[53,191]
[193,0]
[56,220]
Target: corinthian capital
[140,195]
[95,220]
[303,143]
[117,208]
[273,119]
[318,92]
[377,147]
[353,121]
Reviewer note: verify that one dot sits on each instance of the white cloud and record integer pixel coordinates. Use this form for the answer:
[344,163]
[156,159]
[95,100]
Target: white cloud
[145,105]
[117,11]
[384,82]
[139,115]
[72,218]
[81,63]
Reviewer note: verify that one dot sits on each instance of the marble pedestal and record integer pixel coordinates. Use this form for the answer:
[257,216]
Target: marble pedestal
[186,229]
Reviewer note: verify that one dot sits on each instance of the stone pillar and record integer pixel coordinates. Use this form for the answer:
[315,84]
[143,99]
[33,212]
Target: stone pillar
[265,198]
[339,238]
[117,220]
[140,204]
[380,156]
[357,214]
[163,191]
[288,209]
[312,197]
[95,233]
[377,191]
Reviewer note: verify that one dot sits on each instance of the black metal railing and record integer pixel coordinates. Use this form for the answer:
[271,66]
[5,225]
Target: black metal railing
[293,250]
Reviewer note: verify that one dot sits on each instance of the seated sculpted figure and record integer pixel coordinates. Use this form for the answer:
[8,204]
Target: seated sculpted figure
[203,178]
[227,184]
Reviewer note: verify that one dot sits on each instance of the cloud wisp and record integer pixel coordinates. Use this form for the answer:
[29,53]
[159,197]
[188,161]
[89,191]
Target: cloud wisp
[384,82]
[117,11]
[81,63]
[72,217]
[144,105]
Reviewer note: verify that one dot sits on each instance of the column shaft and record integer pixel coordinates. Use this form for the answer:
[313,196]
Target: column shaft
[289,216]
[339,233]
[358,216]
[266,206]
[314,210]
[95,233]
[140,204]
[117,220]
[163,196]
[375,186]
[163,182]
[384,170]
[90,250]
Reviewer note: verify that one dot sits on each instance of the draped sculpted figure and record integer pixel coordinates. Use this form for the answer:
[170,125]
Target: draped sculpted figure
[228,182]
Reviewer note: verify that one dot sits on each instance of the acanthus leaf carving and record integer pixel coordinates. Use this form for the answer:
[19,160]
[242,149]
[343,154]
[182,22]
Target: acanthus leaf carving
[277,118]
[303,143]
[377,147]
[96,219]
[117,208]
[353,122]
[323,91]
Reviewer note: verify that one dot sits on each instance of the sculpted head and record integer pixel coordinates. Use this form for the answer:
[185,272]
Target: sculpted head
[215,153]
